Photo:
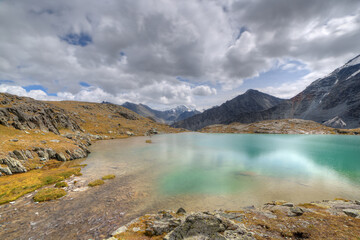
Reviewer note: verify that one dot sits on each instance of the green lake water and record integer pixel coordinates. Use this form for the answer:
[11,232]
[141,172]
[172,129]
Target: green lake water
[211,171]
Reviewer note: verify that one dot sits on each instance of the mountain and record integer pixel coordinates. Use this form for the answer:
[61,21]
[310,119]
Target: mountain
[333,100]
[250,101]
[168,116]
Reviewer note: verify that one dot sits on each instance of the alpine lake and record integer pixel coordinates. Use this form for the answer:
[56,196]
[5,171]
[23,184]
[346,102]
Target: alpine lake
[225,171]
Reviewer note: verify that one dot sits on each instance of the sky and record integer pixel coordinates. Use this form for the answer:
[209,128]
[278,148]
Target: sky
[165,53]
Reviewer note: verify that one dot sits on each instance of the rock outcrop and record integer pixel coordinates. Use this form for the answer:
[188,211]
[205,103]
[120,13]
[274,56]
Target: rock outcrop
[273,220]
[26,113]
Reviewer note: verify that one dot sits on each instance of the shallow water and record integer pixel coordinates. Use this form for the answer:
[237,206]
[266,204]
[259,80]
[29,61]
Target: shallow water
[211,171]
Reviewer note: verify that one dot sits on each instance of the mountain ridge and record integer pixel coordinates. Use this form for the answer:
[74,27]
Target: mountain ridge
[335,96]
[251,101]
[170,116]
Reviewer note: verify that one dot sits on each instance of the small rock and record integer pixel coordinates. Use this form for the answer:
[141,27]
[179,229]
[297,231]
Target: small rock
[357,202]
[288,204]
[180,211]
[43,142]
[297,211]
[136,229]
[60,157]
[352,212]
[55,141]
[119,230]
[14,140]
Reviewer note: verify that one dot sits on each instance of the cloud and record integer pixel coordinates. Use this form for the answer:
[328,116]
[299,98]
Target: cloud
[135,50]
[203,91]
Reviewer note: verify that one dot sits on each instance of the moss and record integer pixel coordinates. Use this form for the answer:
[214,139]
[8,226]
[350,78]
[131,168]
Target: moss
[96,183]
[107,177]
[48,194]
[61,184]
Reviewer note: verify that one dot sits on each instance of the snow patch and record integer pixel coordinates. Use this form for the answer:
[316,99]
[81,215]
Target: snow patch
[335,122]
[354,74]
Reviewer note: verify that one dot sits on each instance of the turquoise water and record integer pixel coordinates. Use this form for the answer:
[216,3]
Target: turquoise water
[225,170]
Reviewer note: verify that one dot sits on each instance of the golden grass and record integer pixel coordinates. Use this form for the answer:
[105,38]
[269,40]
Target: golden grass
[107,177]
[61,184]
[14,186]
[48,194]
[96,182]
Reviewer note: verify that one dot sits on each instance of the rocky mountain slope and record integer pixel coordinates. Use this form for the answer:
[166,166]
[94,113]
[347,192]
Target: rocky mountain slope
[250,101]
[168,116]
[34,133]
[333,100]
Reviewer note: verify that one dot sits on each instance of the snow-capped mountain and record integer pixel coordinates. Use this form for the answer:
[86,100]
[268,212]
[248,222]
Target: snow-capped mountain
[167,116]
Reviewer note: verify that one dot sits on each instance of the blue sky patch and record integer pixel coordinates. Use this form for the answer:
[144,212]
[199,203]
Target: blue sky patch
[277,76]
[38,87]
[84,84]
[81,39]
[2,81]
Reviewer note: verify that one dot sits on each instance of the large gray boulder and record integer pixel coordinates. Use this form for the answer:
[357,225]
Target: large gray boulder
[202,226]
[14,165]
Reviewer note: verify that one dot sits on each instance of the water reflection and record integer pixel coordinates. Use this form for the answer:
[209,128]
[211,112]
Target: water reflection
[229,169]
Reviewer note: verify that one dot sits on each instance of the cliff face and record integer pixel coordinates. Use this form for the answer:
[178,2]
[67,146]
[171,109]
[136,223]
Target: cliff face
[245,104]
[26,113]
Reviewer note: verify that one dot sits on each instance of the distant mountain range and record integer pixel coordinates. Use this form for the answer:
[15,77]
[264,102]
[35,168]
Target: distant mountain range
[168,116]
[333,100]
[251,101]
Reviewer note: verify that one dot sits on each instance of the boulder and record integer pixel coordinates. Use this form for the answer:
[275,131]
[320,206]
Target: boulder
[60,157]
[14,165]
[296,211]
[198,226]
[5,170]
[51,153]
[180,211]
[352,212]
[19,155]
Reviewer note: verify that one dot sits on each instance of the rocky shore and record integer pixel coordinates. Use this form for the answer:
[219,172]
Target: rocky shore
[335,219]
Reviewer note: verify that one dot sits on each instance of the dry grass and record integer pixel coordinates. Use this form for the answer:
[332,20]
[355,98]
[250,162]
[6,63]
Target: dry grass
[48,194]
[107,177]
[96,182]
[148,141]
[14,186]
